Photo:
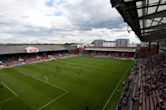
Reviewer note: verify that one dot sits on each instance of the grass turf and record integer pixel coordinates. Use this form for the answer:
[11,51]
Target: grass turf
[66,84]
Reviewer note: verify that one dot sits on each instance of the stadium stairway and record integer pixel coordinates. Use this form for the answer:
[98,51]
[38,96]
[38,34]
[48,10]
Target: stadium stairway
[148,102]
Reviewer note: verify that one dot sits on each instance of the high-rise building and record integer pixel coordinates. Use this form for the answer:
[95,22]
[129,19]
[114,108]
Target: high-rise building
[98,43]
[109,44]
[122,42]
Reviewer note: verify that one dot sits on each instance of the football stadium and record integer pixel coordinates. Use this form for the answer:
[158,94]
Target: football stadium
[104,74]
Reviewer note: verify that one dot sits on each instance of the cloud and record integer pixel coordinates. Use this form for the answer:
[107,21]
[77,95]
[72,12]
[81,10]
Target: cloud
[91,14]
[60,21]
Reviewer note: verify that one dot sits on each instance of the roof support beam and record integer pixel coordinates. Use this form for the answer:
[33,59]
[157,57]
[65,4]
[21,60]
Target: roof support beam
[155,12]
[160,26]
[126,1]
[156,21]
[144,13]
[153,37]
[156,32]
[150,6]
[154,15]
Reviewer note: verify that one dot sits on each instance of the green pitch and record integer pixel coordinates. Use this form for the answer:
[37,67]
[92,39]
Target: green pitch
[78,83]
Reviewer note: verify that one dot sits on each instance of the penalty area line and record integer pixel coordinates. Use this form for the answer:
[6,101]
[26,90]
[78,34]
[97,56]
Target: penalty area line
[53,85]
[9,89]
[58,97]
[11,98]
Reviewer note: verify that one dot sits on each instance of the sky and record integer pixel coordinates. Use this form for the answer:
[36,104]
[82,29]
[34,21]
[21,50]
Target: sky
[61,21]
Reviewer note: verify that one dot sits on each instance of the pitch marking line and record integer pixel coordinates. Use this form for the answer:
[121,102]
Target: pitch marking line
[9,89]
[11,98]
[105,105]
[45,77]
[58,97]
[53,85]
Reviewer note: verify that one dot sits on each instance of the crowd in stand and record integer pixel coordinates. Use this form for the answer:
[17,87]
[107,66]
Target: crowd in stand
[111,54]
[151,85]
[16,60]
[124,99]
[153,82]
[127,95]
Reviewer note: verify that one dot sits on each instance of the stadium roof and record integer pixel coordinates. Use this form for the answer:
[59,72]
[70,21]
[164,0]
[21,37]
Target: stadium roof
[111,49]
[20,48]
[147,18]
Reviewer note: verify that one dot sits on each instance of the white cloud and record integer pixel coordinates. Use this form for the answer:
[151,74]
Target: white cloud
[65,21]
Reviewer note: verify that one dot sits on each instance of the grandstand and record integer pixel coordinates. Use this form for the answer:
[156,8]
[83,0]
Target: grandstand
[147,19]
[17,54]
[116,52]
